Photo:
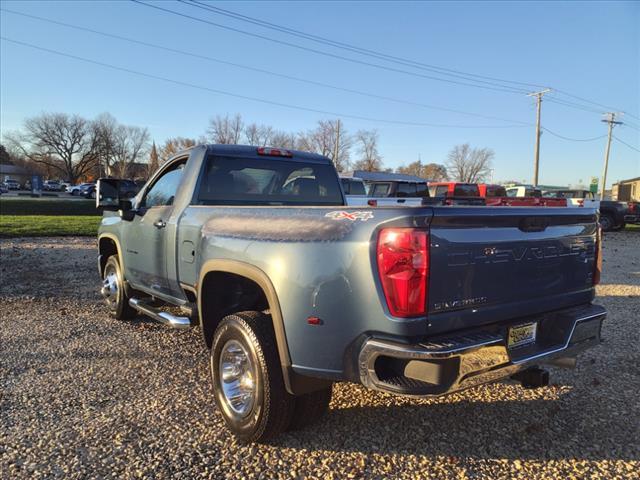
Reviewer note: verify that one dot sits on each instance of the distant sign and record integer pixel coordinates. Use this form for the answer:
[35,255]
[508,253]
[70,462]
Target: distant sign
[594,180]
[36,184]
[593,188]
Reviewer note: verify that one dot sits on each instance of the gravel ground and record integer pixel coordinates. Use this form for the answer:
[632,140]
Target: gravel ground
[85,396]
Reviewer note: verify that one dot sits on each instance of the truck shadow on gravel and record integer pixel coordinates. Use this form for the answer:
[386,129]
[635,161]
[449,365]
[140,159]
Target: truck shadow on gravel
[569,428]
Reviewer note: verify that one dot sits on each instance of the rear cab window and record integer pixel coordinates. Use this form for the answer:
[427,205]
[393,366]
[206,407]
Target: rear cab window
[496,192]
[466,190]
[257,181]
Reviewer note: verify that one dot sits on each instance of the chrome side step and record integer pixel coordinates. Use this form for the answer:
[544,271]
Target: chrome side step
[158,315]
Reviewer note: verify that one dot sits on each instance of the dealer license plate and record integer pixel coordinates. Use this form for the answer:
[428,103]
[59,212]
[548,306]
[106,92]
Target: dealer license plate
[522,335]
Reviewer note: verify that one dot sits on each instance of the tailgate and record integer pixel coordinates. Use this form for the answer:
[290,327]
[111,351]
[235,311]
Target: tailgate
[494,263]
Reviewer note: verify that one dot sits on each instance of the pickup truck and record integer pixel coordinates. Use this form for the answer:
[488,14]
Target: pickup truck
[293,290]
[491,195]
[355,194]
[613,215]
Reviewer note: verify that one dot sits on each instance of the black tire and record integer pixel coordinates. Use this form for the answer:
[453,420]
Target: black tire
[310,407]
[115,295]
[272,406]
[606,222]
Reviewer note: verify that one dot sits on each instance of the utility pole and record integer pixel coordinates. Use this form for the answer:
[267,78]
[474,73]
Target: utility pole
[538,96]
[611,120]
[336,148]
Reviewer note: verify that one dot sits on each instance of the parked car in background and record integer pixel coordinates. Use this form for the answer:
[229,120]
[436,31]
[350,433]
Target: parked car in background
[524,191]
[79,189]
[128,189]
[3,189]
[51,186]
[64,186]
[89,192]
[496,195]
[453,189]
[613,215]
[11,184]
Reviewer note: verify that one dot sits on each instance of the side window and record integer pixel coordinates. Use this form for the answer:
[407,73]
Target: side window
[346,185]
[356,187]
[512,192]
[380,190]
[406,190]
[163,191]
[442,190]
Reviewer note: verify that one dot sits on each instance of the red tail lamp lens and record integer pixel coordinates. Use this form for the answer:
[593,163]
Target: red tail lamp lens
[403,266]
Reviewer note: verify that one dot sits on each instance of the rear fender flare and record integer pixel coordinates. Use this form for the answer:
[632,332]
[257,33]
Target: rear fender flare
[256,275]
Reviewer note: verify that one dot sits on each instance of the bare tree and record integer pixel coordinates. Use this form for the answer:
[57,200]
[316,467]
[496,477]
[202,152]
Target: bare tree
[428,171]
[119,146]
[284,140]
[154,160]
[227,130]
[469,165]
[367,143]
[260,135]
[174,145]
[330,139]
[66,144]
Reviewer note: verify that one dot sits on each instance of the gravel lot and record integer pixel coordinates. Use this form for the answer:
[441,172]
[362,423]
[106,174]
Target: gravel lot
[83,395]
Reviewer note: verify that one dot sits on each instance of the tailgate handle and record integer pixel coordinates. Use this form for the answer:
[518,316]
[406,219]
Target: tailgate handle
[533,224]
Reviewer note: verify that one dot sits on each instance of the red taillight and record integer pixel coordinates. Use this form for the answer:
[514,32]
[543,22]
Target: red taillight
[403,266]
[274,152]
[597,270]
[372,203]
[581,203]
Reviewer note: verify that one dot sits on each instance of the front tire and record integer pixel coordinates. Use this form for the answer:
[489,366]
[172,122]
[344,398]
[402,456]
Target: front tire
[113,291]
[606,222]
[247,378]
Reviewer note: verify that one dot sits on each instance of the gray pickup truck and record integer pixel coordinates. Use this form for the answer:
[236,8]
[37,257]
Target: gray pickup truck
[294,290]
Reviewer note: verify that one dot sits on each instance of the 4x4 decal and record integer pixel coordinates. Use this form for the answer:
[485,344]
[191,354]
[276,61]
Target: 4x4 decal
[353,216]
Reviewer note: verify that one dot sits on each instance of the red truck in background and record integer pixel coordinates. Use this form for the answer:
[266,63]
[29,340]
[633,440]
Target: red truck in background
[494,195]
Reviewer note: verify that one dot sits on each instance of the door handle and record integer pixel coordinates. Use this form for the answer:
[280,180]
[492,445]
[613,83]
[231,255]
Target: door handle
[159,223]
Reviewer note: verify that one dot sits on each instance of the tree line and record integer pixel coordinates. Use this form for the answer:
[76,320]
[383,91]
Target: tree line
[71,147]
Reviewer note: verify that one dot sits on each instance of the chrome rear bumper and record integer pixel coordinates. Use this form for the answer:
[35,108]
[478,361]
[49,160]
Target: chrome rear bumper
[448,364]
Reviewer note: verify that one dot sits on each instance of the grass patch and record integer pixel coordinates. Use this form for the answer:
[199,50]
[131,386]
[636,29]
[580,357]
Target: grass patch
[37,206]
[633,226]
[48,225]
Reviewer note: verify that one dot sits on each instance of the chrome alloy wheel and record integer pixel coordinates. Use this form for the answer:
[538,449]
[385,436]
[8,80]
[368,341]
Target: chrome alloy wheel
[237,378]
[109,288]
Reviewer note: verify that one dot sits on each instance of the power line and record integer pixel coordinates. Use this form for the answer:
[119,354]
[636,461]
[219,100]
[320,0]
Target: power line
[247,97]
[574,105]
[388,57]
[260,70]
[327,54]
[353,48]
[573,139]
[592,102]
[625,143]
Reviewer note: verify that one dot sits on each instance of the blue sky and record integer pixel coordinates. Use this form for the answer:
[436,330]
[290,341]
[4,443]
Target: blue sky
[589,49]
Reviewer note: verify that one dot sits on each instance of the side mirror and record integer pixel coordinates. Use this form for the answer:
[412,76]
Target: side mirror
[110,196]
